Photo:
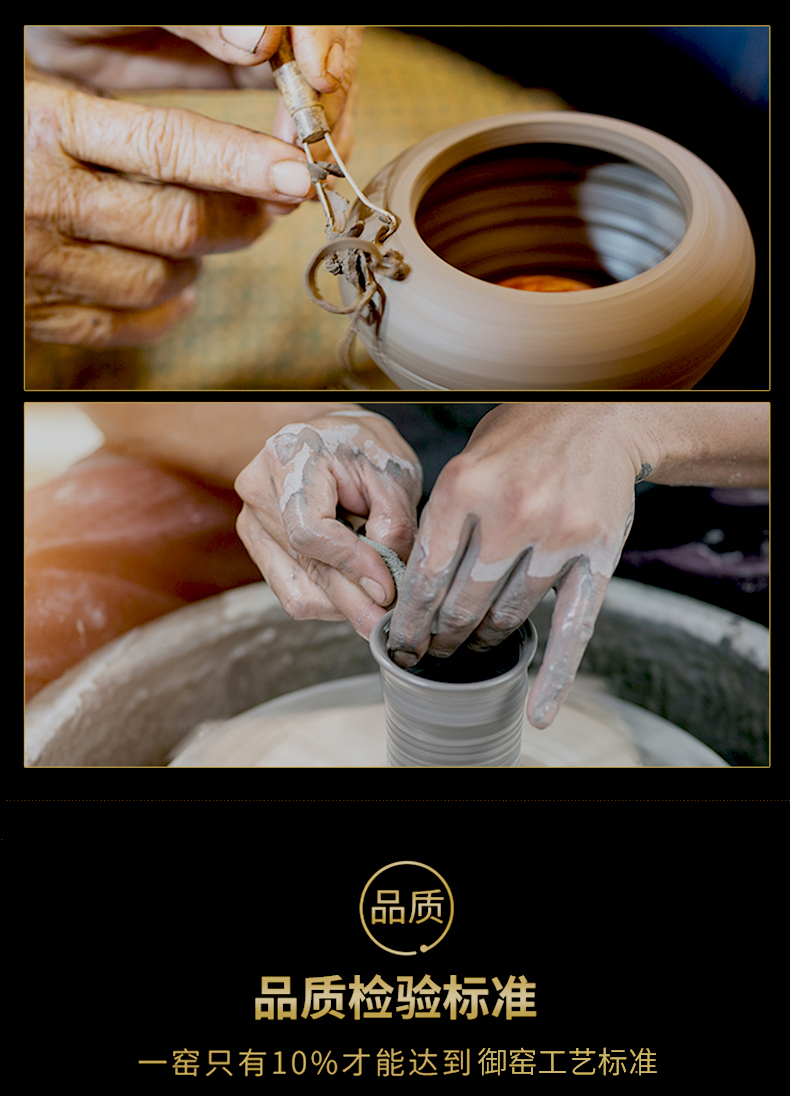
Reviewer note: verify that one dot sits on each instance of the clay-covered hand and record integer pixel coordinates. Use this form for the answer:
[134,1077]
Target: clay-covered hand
[541,496]
[122,200]
[352,463]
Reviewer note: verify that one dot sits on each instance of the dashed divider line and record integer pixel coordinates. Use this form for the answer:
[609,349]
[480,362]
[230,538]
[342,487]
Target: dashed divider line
[415,800]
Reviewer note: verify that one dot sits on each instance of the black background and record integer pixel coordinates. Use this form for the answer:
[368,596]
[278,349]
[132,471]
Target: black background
[642,925]
[142,926]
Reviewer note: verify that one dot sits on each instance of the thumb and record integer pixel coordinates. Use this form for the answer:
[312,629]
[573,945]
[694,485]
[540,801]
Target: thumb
[319,50]
[235,44]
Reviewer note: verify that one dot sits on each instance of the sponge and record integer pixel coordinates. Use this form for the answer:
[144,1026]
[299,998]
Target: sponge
[392,559]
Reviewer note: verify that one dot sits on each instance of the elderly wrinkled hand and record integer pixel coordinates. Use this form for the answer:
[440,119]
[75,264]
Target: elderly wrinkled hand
[352,463]
[541,497]
[123,200]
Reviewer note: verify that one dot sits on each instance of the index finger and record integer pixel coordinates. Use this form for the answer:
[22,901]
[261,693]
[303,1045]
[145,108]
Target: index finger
[309,511]
[233,44]
[178,146]
[435,559]
[320,54]
[580,594]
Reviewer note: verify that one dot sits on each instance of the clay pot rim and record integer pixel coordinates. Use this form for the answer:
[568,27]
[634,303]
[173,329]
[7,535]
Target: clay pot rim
[378,649]
[423,165]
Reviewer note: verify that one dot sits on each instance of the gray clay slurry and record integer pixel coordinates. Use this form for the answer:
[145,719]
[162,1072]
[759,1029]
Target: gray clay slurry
[133,702]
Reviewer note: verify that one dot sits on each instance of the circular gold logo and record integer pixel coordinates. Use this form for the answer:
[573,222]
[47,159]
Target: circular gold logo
[406,907]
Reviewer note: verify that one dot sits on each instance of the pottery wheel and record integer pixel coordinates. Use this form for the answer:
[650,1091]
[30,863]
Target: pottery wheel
[340,724]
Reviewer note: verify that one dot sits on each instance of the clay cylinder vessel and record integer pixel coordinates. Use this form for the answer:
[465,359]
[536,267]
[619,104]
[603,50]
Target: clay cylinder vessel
[456,722]
[655,233]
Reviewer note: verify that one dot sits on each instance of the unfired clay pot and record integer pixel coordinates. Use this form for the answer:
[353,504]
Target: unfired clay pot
[456,721]
[654,232]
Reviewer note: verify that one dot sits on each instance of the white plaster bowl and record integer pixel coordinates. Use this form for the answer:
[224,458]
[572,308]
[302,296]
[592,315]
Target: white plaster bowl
[134,701]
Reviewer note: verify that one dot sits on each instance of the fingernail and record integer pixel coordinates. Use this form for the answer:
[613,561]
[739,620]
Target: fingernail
[334,62]
[246,38]
[292,178]
[542,714]
[404,659]
[186,300]
[375,590]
